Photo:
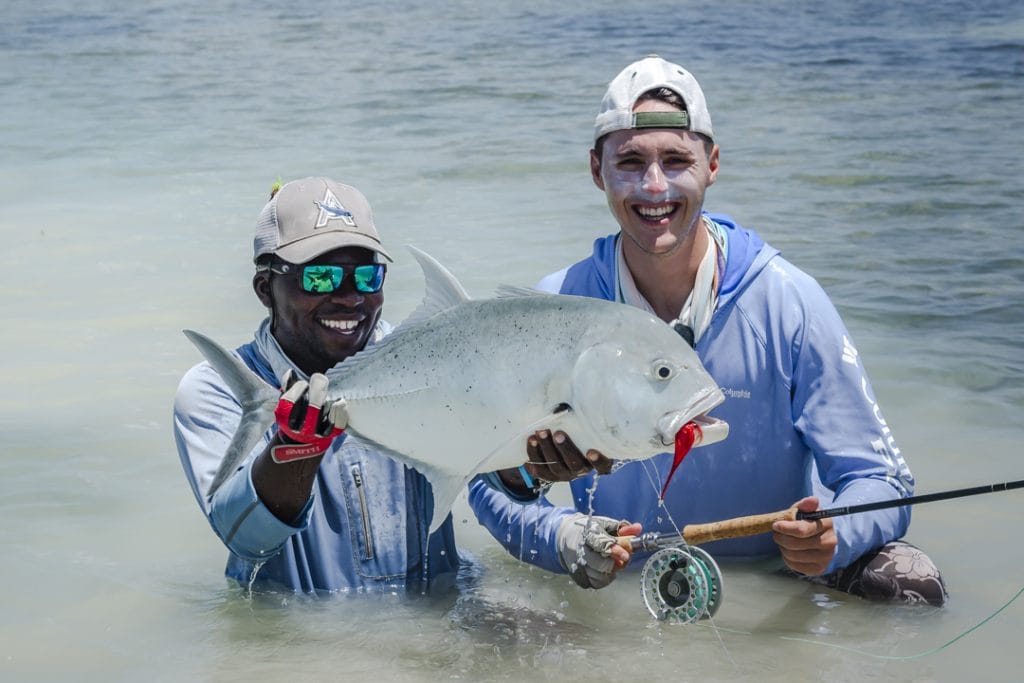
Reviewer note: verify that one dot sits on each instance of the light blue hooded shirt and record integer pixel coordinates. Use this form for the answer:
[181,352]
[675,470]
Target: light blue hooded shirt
[802,419]
[363,528]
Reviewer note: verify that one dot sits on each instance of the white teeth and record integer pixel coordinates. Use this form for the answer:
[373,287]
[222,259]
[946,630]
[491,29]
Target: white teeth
[343,325]
[651,212]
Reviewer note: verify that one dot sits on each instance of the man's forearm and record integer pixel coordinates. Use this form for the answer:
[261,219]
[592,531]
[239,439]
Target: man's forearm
[284,487]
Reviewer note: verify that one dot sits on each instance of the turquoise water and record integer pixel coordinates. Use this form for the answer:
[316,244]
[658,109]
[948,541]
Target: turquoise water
[878,145]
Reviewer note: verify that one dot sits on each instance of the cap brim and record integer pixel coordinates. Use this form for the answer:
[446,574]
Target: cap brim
[310,247]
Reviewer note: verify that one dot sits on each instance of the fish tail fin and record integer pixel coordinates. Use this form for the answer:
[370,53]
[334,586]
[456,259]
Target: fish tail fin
[257,398]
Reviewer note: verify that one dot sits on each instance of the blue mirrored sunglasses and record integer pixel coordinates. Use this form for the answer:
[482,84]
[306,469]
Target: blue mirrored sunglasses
[324,279]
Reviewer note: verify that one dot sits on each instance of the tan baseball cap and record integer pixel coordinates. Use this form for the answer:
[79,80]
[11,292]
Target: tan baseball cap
[651,73]
[312,216]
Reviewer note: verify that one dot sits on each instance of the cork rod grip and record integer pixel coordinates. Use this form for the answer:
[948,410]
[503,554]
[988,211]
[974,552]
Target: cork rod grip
[696,534]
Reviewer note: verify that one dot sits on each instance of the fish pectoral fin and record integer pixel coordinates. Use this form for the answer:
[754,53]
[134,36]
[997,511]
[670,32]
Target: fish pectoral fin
[499,458]
[559,416]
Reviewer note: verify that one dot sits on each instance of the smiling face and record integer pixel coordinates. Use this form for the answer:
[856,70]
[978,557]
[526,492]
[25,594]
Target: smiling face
[655,180]
[317,331]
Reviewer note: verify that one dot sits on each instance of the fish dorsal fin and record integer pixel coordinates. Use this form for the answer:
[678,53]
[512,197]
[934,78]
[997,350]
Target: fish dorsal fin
[514,292]
[442,291]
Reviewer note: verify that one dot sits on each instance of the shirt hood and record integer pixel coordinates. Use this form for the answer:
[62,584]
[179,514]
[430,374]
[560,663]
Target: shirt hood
[747,254]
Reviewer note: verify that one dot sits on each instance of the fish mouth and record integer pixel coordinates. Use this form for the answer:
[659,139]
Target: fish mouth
[709,429]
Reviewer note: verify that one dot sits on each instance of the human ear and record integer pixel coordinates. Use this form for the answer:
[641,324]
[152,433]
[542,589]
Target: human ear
[261,285]
[713,164]
[595,169]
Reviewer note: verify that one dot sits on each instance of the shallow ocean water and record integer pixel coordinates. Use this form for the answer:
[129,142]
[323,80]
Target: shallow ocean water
[877,145]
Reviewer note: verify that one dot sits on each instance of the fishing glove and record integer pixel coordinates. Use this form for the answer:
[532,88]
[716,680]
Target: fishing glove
[306,420]
[584,544]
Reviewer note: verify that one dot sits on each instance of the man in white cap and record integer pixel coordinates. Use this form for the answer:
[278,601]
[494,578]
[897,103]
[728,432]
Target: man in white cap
[805,428]
[315,510]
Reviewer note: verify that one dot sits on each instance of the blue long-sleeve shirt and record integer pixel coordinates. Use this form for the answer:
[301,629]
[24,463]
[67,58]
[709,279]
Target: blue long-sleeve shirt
[363,528]
[802,419]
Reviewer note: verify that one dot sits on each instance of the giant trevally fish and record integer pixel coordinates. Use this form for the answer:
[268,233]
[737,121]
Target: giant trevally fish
[457,388]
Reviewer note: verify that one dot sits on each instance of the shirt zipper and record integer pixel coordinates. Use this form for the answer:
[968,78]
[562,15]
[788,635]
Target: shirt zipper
[357,479]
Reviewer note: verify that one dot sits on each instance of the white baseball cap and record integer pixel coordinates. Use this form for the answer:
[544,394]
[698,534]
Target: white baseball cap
[651,73]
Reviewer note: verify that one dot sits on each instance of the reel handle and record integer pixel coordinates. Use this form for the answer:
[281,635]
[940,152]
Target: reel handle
[696,534]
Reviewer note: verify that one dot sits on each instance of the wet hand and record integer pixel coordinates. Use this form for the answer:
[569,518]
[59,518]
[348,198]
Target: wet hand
[554,457]
[807,546]
[307,422]
[588,550]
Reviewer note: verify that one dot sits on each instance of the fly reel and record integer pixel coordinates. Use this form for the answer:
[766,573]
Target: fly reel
[681,585]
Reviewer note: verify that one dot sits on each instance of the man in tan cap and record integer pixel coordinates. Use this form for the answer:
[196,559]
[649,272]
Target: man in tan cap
[314,510]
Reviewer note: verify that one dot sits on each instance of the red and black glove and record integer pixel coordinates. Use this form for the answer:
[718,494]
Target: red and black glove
[306,420]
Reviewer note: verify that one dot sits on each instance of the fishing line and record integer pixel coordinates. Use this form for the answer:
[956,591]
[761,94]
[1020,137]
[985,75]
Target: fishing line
[718,629]
[650,469]
[696,534]
[919,655]
[677,583]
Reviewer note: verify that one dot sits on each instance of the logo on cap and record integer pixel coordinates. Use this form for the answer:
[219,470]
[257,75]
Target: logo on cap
[331,209]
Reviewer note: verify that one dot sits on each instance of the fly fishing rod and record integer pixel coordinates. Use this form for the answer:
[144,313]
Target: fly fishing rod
[697,534]
[685,585]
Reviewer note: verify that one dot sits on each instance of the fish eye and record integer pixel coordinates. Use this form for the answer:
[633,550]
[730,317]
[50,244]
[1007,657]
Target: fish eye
[663,369]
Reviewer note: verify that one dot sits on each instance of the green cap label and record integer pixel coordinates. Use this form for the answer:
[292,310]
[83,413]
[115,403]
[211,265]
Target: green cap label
[661,119]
